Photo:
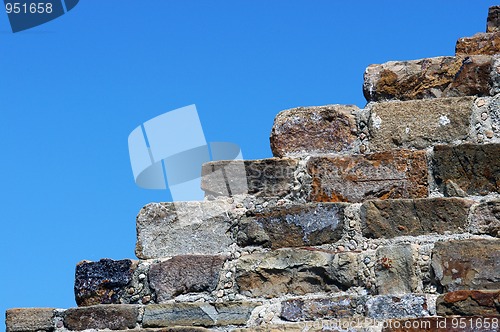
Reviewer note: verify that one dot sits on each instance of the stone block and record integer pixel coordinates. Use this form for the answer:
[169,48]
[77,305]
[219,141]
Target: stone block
[185,274]
[486,218]
[431,78]
[493,21]
[293,226]
[295,310]
[182,228]
[356,178]
[102,282]
[471,264]
[390,306]
[29,319]
[473,169]
[285,271]
[481,43]
[469,303]
[198,314]
[419,124]
[106,316]
[271,177]
[408,217]
[309,130]
[395,270]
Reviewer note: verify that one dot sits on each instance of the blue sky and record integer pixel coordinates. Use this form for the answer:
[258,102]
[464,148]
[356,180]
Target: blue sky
[73,89]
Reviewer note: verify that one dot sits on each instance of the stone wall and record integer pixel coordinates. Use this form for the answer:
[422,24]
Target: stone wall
[385,218]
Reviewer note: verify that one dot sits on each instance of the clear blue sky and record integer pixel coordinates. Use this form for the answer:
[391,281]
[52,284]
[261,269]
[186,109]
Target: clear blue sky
[73,89]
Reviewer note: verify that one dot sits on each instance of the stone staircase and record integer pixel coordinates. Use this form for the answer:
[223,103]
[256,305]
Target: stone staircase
[385,218]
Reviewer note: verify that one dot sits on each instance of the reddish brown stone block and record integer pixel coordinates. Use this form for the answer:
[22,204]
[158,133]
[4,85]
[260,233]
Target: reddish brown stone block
[481,43]
[323,129]
[356,178]
[469,303]
[430,78]
[467,264]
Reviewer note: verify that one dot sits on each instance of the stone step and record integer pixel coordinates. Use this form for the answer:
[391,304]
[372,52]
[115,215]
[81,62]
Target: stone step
[412,124]
[353,178]
[457,170]
[446,76]
[358,311]
[251,222]
[482,43]
[178,316]
[445,260]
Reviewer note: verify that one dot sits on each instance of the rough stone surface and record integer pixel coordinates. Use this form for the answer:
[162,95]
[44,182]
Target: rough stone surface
[184,274]
[198,314]
[481,43]
[486,218]
[322,129]
[102,282]
[271,177]
[180,228]
[106,316]
[403,217]
[473,168]
[345,268]
[469,303]
[29,319]
[430,78]
[395,270]
[467,264]
[493,21]
[388,306]
[300,225]
[285,271]
[296,310]
[419,124]
[356,178]
[440,324]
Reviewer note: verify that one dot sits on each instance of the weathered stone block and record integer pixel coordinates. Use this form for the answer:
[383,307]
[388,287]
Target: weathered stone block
[474,169]
[387,306]
[266,177]
[106,316]
[184,274]
[481,43]
[102,282]
[29,320]
[430,78]
[486,218]
[493,21]
[180,228]
[408,217]
[296,310]
[467,264]
[469,303]
[198,314]
[321,129]
[356,178]
[345,268]
[419,124]
[285,271]
[395,270]
[293,226]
